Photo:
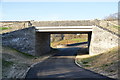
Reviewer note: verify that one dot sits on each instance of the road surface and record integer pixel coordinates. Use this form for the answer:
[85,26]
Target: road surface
[61,66]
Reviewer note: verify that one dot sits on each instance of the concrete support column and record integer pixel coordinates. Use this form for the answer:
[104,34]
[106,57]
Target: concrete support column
[42,43]
[89,39]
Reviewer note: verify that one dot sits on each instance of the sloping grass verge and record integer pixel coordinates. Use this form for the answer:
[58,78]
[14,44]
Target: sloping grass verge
[25,54]
[70,41]
[105,63]
[6,63]
[15,64]
[4,28]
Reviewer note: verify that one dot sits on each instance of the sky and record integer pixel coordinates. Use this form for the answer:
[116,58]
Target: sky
[47,11]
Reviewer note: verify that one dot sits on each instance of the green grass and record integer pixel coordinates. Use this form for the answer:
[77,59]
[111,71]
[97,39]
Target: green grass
[70,41]
[116,27]
[85,61]
[6,63]
[25,54]
[78,40]
[103,61]
[107,64]
[4,28]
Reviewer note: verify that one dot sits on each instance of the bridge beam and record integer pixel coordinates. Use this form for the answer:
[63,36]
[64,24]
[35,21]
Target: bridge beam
[42,43]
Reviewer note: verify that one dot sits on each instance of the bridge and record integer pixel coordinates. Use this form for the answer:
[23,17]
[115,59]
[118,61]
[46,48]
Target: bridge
[43,35]
[35,40]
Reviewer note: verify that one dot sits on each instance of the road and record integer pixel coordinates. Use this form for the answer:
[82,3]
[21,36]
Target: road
[61,66]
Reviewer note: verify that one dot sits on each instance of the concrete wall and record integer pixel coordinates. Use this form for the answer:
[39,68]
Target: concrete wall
[22,40]
[42,45]
[102,40]
[28,41]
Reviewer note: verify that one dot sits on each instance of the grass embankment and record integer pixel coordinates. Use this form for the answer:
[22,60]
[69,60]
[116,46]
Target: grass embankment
[4,28]
[70,41]
[105,64]
[16,63]
[114,29]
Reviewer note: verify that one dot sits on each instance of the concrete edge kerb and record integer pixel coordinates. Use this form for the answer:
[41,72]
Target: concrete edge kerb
[76,62]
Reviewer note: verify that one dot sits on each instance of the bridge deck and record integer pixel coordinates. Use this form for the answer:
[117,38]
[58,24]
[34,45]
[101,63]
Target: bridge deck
[65,29]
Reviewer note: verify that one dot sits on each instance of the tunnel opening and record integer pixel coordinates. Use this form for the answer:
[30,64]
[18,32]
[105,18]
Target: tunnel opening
[68,40]
[45,43]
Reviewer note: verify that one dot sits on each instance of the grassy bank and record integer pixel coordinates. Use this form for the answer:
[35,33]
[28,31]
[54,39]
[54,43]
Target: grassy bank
[16,63]
[4,28]
[114,29]
[105,64]
[70,41]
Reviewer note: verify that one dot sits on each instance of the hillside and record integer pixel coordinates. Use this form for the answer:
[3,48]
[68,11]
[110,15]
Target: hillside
[105,64]
[15,63]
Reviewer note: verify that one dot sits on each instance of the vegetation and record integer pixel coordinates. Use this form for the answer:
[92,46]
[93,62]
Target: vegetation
[105,63]
[6,63]
[25,54]
[69,41]
[4,28]
[105,57]
[86,61]
[112,17]
[116,27]
[15,63]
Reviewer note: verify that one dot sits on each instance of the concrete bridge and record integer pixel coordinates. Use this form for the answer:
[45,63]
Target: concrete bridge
[43,35]
[36,40]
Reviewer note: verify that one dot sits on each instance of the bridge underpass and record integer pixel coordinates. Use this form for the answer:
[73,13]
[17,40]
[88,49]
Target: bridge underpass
[42,43]
[61,65]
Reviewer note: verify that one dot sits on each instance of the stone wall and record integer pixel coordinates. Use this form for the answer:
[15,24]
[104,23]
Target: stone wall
[22,40]
[102,40]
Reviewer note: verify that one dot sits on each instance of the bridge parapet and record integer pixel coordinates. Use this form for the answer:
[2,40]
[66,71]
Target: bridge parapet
[65,29]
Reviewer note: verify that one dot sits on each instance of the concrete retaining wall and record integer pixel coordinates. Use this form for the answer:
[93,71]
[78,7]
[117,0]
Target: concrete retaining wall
[102,40]
[22,40]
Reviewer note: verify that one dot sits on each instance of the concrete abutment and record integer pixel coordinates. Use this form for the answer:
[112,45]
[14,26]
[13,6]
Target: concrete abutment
[102,41]
[42,43]
[89,39]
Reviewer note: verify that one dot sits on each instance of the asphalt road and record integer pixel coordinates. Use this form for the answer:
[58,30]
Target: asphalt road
[61,66]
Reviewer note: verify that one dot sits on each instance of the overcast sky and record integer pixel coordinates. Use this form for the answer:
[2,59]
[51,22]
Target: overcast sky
[43,11]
